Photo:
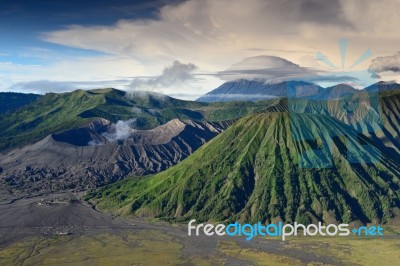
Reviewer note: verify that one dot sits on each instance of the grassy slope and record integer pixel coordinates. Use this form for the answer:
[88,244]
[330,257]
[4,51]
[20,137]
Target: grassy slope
[51,113]
[376,115]
[250,172]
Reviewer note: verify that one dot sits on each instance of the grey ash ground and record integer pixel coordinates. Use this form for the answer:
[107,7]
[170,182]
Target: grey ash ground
[58,216]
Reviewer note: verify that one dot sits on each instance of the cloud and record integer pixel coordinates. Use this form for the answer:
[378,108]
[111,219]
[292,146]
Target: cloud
[44,86]
[216,34]
[173,75]
[120,130]
[146,95]
[268,68]
[385,63]
[101,71]
[311,11]
[205,29]
[273,69]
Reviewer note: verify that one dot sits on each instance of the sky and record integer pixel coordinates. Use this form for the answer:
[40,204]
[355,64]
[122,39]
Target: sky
[187,48]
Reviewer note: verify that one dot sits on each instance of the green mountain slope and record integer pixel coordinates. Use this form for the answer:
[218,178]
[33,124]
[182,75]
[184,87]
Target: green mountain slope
[267,167]
[390,113]
[375,114]
[51,113]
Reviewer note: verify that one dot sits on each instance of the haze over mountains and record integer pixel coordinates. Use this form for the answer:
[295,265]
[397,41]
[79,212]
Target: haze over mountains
[256,90]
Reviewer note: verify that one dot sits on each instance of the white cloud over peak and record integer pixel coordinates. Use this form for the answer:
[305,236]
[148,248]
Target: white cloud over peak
[268,68]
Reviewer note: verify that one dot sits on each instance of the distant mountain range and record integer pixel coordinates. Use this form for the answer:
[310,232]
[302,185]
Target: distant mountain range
[305,158]
[256,90]
[54,113]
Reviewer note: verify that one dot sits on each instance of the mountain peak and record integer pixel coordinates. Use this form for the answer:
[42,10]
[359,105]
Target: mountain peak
[106,90]
[256,90]
[259,170]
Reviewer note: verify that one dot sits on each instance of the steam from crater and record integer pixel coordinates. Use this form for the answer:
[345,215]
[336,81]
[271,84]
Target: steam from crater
[120,131]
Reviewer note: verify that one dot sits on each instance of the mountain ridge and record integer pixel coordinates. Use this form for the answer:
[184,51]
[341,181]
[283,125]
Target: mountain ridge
[256,90]
[58,112]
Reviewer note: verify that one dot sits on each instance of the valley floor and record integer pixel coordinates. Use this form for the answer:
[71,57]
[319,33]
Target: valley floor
[60,229]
